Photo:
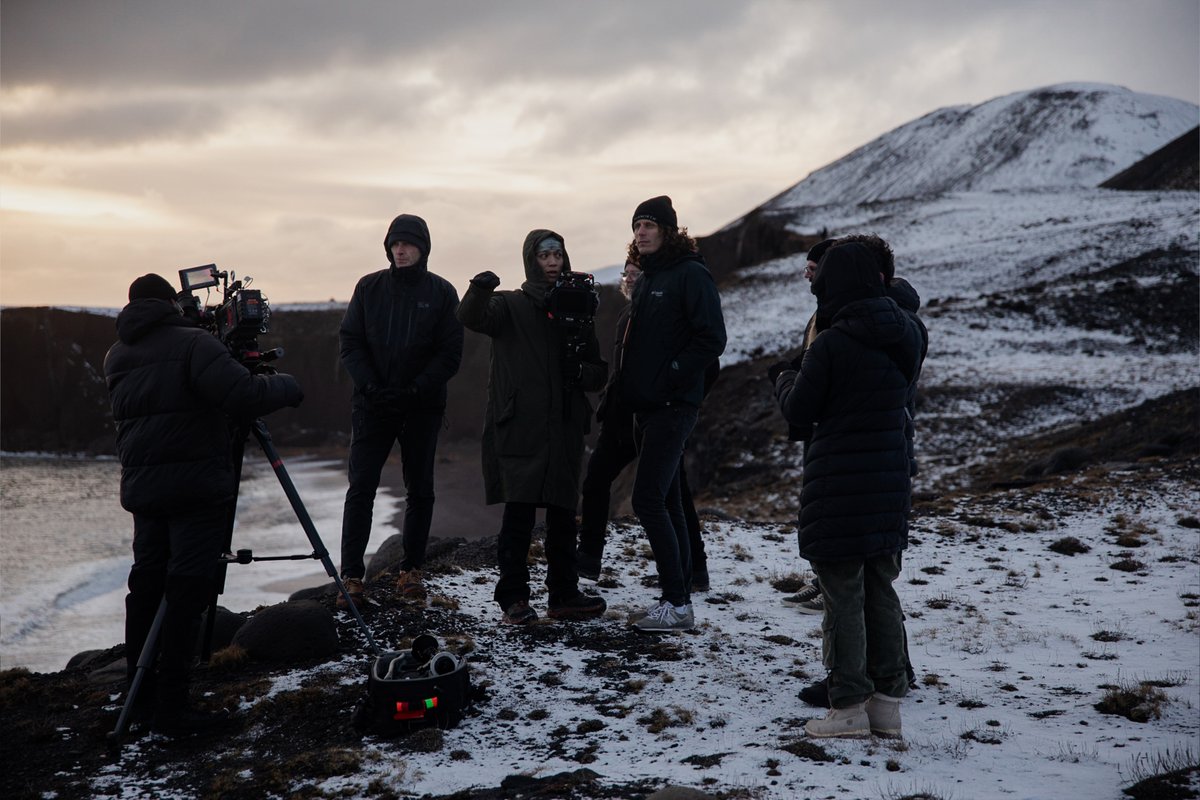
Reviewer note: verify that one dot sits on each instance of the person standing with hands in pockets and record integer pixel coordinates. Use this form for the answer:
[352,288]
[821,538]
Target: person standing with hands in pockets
[401,344]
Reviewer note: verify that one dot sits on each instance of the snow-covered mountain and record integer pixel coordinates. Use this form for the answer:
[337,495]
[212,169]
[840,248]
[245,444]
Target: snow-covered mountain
[1073,134]
[1036,284]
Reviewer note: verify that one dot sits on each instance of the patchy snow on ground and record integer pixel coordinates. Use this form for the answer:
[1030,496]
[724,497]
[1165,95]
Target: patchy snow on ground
[1014,646]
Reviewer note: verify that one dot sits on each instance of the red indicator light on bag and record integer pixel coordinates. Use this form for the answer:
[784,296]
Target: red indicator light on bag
[406,710]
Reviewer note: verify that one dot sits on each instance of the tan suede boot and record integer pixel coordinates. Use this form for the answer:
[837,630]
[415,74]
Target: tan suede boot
[844,723]
[884,713]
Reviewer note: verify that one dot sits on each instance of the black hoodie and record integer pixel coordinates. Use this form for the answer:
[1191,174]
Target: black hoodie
[399,329]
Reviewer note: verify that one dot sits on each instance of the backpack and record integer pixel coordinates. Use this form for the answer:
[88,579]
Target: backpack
[408,689]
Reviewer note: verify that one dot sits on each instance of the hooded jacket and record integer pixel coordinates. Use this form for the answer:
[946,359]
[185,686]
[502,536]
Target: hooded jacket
[535,421]
[173,388]
[854,386]
[676,331]
[399,329]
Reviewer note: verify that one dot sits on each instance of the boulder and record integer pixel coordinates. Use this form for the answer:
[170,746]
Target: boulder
[292,631]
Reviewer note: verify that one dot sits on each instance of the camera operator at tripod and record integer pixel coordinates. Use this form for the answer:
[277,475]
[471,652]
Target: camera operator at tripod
[174,389]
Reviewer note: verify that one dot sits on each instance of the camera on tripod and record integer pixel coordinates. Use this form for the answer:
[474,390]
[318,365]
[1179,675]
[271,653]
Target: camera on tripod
[239,318]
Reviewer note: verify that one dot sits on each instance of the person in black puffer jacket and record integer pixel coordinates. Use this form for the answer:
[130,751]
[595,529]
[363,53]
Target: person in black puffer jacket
[174,388]
[401,344]
[853,388]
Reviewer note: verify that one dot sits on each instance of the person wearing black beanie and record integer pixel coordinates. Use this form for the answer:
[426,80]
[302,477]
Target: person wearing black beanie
[152,286]
[401,344]
[676,332]
[173,387]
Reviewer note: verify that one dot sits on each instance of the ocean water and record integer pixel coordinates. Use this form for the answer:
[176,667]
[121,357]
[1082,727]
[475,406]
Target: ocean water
[66,545]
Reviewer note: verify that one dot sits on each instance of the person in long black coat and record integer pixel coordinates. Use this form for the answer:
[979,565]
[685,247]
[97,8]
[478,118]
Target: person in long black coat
[174,388]
[853,388]
[537,417]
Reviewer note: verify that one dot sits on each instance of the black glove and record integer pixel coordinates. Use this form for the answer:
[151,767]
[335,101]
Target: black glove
[409,391]
[298,400]
[486,280]
[778,368]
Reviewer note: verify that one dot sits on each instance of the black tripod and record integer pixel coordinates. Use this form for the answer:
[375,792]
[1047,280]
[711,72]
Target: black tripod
[241,433]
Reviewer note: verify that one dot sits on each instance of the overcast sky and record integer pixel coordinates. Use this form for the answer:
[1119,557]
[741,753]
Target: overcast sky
[278,138]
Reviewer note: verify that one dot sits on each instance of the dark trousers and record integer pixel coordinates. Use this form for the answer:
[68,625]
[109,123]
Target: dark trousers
[370,444]
[173,556]
[657,500]
[863,629]
[616,448]
[516,531]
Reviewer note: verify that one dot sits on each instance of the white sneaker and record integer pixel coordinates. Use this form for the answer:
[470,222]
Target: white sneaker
[665,617]
[884,714]
[842,723]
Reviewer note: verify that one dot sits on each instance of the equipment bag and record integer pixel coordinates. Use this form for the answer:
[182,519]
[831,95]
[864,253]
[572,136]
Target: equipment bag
[411,689]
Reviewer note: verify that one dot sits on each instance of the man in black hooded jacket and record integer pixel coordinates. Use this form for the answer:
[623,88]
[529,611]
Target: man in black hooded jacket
[174,388]
[401,344]
[854,388]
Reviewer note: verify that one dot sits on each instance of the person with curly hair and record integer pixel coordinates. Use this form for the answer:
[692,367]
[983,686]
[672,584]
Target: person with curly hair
[676,331]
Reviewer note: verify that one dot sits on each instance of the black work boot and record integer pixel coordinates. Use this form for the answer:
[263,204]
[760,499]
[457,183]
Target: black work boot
[587,565]
[817,694]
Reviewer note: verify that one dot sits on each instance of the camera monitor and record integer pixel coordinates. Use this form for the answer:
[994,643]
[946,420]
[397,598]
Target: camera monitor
[198,277]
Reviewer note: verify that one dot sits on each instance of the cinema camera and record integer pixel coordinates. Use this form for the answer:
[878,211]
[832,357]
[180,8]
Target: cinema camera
[572,304]
[572,301]
[239,318]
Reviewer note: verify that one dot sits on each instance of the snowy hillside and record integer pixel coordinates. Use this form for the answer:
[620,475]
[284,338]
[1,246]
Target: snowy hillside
[1075,134]
[1087,294]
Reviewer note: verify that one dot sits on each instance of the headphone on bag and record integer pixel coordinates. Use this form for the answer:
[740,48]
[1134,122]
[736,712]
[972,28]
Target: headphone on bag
[427,651]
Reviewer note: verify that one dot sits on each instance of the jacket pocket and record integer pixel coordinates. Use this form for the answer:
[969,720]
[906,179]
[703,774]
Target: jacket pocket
[513,436]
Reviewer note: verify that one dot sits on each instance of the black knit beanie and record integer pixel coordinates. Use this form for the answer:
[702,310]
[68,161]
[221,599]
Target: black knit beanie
[817,250]
[407,228]
[658,210]
[151,286]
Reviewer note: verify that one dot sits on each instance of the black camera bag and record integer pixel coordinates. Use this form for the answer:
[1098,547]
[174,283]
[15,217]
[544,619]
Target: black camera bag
[403,694]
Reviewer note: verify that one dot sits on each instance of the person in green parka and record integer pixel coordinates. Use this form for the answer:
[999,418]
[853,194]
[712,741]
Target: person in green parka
[537,416]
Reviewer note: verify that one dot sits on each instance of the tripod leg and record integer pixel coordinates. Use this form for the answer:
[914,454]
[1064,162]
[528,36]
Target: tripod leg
[264,439]
[149,650]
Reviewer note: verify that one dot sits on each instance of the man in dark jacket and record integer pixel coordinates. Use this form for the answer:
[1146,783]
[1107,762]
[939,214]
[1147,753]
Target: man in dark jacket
[854,386]
[615,449]
[174,388]
[675,332]
[401,344]
[537,416]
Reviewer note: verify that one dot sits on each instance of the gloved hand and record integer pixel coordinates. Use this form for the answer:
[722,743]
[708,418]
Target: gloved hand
[381,397]
[298,400]
[777,369]
[486,280]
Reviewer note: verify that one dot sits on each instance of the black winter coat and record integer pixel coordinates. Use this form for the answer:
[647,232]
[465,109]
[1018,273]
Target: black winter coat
[400,330]
[854,385]
[174,388]
[536,420]
[676,332]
